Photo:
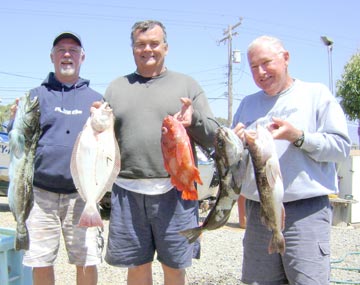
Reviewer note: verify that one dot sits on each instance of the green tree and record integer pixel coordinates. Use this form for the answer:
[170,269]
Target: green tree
[4,114]
[348,88]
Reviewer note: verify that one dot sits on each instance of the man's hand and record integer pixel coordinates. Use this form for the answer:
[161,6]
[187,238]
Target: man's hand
[185,114]
[283,130]
[239,130]
[14,108]
[97,104]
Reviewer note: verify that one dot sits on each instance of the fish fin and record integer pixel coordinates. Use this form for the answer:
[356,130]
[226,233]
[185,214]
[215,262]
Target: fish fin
[272,171]
[175,183]
[116,169]
[277,243]
[282,217]
[264,219]
[179,152]
[90,217]
[192,234]
[166,166]
[197,177]
[189,195]
[74,167]
[16,143]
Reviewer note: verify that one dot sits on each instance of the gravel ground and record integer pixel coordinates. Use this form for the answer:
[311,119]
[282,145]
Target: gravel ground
[221,256]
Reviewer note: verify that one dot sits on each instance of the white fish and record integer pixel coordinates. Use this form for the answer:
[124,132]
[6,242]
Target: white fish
[269,183]
[95,162]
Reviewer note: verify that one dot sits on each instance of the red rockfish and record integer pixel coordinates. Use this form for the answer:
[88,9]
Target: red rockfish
[178,158]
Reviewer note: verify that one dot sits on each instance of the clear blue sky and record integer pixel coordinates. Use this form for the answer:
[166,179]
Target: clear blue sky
[194,28]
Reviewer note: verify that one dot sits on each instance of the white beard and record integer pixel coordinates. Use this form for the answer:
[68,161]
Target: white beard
[67,71]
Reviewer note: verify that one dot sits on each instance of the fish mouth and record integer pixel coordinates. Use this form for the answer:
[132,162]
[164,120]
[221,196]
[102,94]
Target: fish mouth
[104,105]
[222,132]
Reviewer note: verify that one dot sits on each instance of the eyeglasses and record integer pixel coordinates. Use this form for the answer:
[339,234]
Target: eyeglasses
[63,50]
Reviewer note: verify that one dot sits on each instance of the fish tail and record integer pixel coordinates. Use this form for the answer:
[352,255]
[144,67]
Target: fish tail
[277,243]
[189,195]
[22,239]
[282,217]
[90,217]
[192,234]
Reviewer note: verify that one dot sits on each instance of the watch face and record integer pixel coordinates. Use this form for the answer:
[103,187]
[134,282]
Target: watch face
[299,141]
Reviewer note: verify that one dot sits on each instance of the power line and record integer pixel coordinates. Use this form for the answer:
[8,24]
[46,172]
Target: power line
[19,75]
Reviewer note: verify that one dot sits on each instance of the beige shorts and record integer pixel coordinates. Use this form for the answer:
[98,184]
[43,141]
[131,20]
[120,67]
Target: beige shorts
[55,214]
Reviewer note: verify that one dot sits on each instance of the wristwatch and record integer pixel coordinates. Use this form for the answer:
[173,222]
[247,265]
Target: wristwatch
[299,142]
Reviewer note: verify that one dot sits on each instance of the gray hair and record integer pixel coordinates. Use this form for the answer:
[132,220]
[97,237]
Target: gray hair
[143,26]
[269,41]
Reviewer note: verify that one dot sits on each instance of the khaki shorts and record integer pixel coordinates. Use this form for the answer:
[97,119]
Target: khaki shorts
[55,214]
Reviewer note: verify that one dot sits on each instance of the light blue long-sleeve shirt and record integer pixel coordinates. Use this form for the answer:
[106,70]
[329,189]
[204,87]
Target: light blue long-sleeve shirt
[308,171]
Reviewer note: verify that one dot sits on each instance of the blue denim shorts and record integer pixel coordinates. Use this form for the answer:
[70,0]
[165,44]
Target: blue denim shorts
[141,225]
[307,239]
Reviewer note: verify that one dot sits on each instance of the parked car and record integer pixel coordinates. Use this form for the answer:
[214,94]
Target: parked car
[4,162]
[205,163]
[207,191]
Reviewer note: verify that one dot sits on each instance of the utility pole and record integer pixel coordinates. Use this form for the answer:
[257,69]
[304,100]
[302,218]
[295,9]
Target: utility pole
[228,37]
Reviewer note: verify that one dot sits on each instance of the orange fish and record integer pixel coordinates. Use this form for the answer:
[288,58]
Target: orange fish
[178,158]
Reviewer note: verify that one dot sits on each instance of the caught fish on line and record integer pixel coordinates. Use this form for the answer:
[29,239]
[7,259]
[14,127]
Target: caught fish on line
[23,141]
[231,161]
[95,162]
[178,158]
[269,184]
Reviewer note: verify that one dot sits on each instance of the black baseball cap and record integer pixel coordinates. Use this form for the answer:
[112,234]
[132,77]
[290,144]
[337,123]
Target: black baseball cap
[67,35]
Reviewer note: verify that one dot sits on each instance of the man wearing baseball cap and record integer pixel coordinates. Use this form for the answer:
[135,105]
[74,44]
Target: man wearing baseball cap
[67,35]
[65,100]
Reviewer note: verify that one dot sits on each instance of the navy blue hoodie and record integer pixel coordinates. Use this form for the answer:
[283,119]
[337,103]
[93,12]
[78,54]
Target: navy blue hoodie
[63,113]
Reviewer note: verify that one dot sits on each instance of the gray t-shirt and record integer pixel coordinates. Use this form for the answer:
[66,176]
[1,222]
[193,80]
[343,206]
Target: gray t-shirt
[140,105]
